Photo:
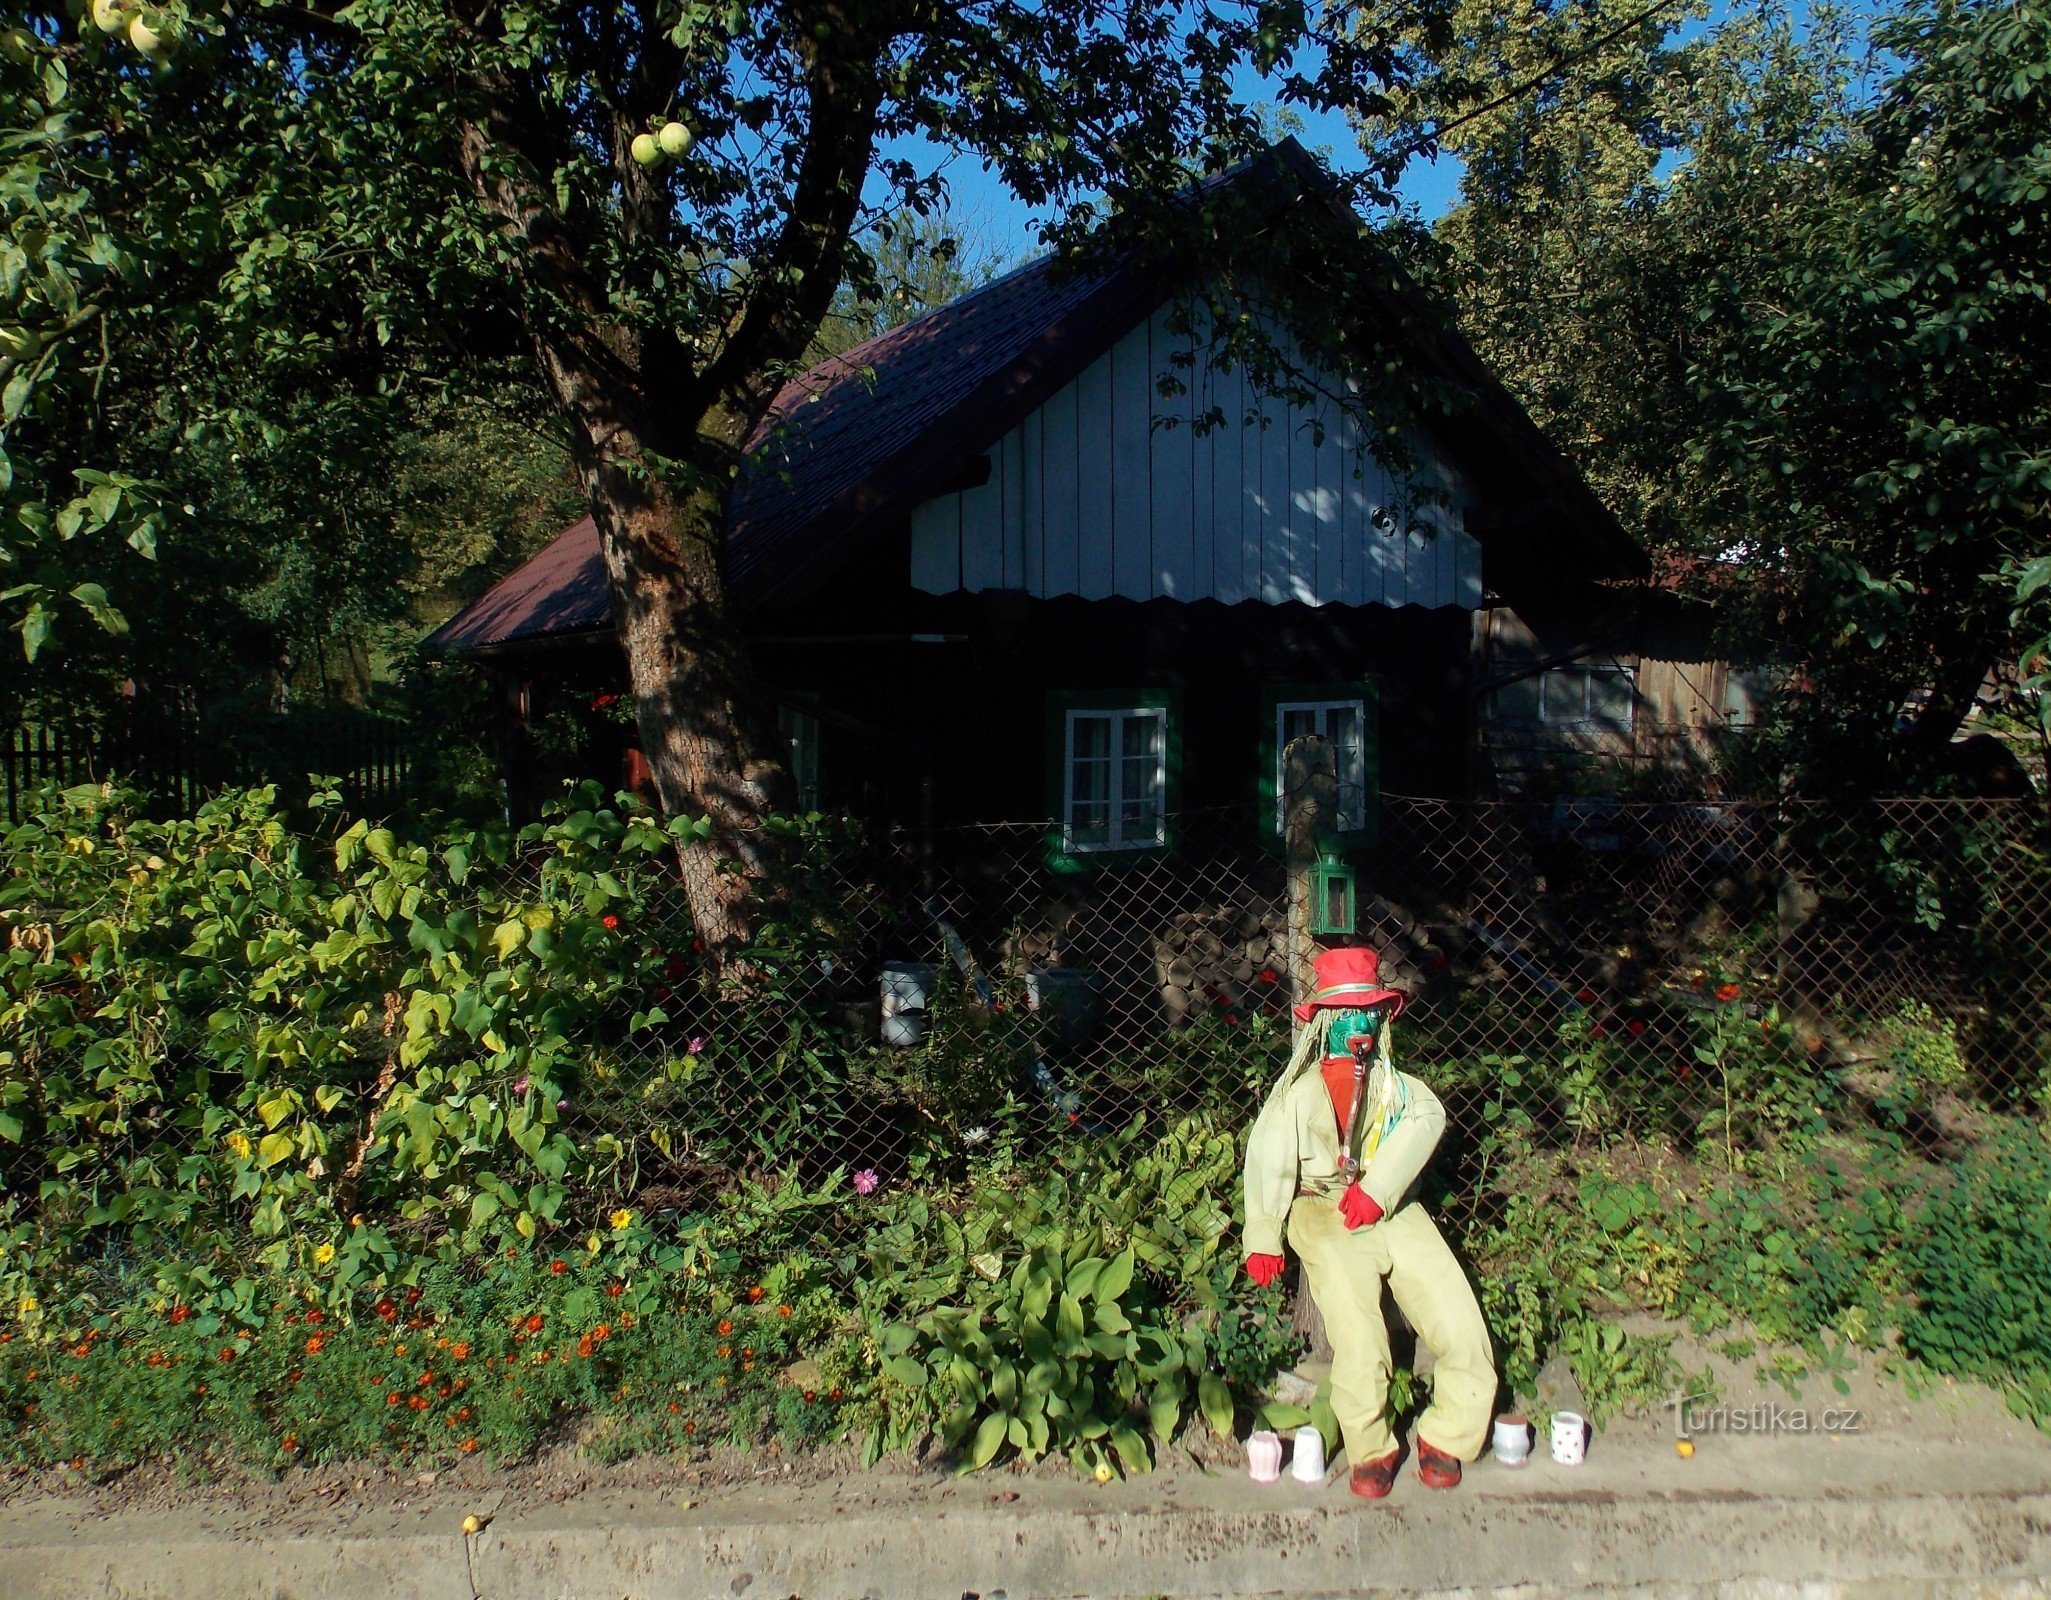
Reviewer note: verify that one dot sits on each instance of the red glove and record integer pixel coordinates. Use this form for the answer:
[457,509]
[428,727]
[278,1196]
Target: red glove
[1359,1208]
[1264,1270]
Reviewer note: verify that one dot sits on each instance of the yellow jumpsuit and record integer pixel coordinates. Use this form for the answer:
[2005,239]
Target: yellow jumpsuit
[1293,1188]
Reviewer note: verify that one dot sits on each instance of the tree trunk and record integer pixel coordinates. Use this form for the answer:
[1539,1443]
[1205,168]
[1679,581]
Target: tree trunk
[707,728]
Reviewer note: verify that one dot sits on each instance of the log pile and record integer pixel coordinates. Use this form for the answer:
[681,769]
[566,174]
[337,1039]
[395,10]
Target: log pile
[1222,957]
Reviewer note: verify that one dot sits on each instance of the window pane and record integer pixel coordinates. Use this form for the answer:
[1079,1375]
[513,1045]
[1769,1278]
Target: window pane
[1609,700]
[1352,765]
[1298,721]
[1092,736]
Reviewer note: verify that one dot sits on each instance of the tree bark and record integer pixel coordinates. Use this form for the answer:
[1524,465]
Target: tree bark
[658,496]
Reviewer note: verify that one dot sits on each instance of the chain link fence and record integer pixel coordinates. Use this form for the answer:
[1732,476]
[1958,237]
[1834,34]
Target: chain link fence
[1696,979]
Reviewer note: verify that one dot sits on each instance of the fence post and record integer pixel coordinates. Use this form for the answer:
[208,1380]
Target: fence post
[1310,789]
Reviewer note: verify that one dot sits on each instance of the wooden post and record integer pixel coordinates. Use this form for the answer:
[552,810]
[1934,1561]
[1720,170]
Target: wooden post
[1310,808]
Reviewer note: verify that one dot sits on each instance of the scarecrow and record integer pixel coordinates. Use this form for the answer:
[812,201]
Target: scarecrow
[1332,1158]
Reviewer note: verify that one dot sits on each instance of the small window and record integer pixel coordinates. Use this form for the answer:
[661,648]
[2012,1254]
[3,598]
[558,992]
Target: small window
[1577,698]
[801,730]
[1344,723]
[1115,774]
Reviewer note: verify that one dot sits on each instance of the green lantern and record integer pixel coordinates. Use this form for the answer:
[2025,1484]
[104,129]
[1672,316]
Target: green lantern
[1332,905]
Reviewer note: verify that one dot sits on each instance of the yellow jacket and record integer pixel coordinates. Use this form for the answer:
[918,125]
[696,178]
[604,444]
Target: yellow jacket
[1295,1145]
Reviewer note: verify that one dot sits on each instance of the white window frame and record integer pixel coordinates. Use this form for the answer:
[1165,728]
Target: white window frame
[1582,674]
[1115,837]
[1352,785]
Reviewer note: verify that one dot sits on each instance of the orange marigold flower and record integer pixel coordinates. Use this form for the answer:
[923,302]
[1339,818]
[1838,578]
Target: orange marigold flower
[755,1294]
[614,1290]
[394,1398]
[288,1443]
[558,1268]
[690,1427]
[584,1345]
[460,1350]
[725,1326]
[811,1395]
[783,1311]
[316,1344]
[469,1447]
[534,1322]
[675,1409]
[418,1402]
[226,1356]
[601,1332]
[179,1314]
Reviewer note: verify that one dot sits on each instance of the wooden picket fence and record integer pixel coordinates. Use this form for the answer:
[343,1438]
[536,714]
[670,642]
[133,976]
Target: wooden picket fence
[172,755]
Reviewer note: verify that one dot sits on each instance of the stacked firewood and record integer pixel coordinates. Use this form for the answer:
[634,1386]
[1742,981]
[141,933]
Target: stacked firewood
[1223,957]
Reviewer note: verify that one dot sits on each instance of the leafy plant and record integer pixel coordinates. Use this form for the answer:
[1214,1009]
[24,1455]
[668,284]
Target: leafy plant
[1068,1354]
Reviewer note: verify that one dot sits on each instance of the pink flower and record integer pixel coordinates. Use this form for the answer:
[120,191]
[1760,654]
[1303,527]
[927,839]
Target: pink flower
[696,1047]
[866,1181]
[520,1085]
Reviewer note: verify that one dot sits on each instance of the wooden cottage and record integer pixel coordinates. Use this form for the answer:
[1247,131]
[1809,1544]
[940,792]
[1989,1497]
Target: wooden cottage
[991,573]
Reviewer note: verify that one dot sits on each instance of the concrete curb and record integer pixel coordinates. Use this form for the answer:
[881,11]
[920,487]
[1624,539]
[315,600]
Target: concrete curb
[1599,1544]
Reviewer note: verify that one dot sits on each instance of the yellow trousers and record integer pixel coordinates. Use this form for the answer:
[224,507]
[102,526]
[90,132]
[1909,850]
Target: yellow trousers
[1346,1271]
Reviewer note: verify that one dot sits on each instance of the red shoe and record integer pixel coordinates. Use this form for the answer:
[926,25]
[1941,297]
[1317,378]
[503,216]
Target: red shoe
[1436,1469]
[1372,1480]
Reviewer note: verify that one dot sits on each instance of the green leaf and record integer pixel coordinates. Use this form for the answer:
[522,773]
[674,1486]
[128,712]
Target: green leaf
[1117,1277]
[906,1371]
[989,1439]
[1216,1400]
[1132,1449]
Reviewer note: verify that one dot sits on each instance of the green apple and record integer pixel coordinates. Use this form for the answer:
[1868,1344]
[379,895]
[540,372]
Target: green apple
[110,16]
[151,41]
[646,150]
[674,138]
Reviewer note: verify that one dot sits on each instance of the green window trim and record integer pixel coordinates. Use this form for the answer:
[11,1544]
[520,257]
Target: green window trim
[1063,707]
[1274,697]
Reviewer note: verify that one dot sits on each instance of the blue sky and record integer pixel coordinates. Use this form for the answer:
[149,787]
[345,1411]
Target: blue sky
[1004,226]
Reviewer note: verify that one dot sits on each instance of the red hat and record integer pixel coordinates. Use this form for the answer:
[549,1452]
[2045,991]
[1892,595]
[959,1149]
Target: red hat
[1349,979]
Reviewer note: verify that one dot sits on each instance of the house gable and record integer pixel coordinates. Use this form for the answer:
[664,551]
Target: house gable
[1108,489]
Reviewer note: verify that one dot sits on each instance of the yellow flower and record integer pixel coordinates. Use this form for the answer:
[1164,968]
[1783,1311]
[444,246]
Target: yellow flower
[620,1218]
[29,1305]
[239,1143]
[591,1244]
[323,1254]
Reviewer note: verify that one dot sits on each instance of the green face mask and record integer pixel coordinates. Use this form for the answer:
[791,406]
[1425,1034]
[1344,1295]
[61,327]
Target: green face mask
[1342,1027]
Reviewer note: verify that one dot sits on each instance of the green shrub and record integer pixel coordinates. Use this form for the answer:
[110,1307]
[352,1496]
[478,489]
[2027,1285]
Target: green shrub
[1979,1255]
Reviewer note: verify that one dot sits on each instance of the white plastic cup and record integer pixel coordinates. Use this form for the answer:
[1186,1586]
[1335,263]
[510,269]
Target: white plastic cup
[1308,1464]
[1513,1440]
[1569,1438]
[1264,1456]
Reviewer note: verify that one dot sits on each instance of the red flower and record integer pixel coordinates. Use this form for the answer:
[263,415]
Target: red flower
[1231,1019]
[725,1326]
[604,701]
[1726,992]
[460,1350]
[1585,996]
[614,1290]
[558,1268]
[783,1311]
[1635,1026]
[1270,975]
[1683,1071]
[413,1297]
[417,1403]
[315,1318]
[316,1344]
[584,1345]
[226,1356]
[469,1447]
[755,1294]
[1598,1032]
[610,919]
[533,1322]
[179,1314]
[387,1312]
